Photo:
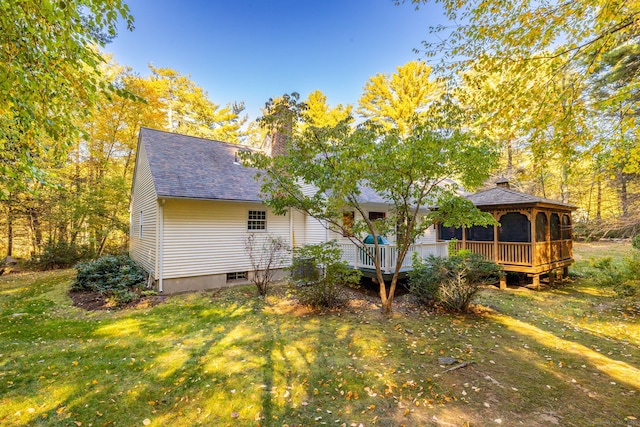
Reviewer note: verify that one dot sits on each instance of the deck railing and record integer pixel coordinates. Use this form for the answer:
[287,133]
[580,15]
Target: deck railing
[514,253]
[520,253]
[508,253]
[358,257]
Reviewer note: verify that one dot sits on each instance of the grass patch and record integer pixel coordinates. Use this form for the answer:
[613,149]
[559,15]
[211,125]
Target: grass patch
[568,356]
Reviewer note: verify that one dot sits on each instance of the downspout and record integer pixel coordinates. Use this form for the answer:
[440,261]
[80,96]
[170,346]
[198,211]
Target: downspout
[326,232]
[160,243]
[291,233]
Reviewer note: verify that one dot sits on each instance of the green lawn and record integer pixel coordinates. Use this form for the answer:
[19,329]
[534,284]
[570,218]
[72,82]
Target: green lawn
[569,356]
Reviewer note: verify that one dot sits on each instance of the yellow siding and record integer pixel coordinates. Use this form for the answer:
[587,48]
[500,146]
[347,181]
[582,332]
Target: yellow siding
[299,229]
[143,199]
[315,231]
[429,236]
[208,237]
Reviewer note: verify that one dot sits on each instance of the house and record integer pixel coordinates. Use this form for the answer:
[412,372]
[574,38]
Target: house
[193,204]
[534,236]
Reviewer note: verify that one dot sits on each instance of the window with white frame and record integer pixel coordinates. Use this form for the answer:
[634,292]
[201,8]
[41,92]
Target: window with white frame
[140,222]
[257,221]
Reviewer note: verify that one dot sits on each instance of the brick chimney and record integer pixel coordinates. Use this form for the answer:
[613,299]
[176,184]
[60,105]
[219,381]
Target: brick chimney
[275,144]
[503,183]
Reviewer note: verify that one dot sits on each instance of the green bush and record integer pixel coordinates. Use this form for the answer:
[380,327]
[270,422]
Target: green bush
[60,255]
[635,242]
[117,277]
[323,285]
[623,278]
[450,282]
[603,273]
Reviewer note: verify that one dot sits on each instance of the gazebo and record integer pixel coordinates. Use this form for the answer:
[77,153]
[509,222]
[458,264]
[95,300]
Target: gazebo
[534,235]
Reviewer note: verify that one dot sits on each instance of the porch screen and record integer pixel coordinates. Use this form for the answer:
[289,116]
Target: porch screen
[541,227]
[566,227]
[515,227]
[449,233]
[555,227]
[478,233]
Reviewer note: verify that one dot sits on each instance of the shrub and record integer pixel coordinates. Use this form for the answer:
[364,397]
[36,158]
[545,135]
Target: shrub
[117,277]
[635,242]
[603,273]
[450,282]
[326,275]
[425,278]
[621,278]
[266,254]
[60,255]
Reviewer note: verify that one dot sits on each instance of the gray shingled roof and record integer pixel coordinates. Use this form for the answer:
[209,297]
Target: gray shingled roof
[504,196]
[197,168]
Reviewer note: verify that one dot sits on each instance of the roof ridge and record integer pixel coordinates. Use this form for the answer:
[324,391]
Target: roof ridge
[515,196]
[231,144]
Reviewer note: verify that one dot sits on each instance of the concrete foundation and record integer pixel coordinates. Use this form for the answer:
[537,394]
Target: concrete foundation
[207,283]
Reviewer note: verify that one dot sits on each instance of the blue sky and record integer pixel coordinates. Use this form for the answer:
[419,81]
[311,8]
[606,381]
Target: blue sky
[251,50]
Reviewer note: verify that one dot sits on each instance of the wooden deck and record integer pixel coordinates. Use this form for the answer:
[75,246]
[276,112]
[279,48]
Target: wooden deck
[513,257]
[523,257]
[358,257]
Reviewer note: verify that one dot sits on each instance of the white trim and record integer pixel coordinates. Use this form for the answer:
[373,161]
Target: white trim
[160,243]
[266,220]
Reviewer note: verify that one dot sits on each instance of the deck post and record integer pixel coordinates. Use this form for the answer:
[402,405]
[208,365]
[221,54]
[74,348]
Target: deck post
[565,272]
[552,278]
[536,282]
[386,252]
[532,225]
[495,241]
[503,280]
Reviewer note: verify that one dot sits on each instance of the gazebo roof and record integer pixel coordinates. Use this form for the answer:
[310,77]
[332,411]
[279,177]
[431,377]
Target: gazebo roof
[501,196]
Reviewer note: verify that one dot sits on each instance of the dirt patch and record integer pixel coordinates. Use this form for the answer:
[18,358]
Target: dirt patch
[94,301]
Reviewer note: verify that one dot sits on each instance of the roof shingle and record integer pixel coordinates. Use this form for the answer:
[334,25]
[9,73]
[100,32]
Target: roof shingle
[197,168]
[504,196]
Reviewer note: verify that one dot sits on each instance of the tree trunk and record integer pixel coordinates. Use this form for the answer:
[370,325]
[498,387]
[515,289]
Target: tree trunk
[623,195]
[509,158]
[599,201]
[103,242]
[564,185]
[387,301]
[10,226]
[36,228]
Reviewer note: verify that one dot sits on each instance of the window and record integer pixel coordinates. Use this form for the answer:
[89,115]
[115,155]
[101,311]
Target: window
[566,227]
[236,275]
[555,227]
[449,233]
[257,220]
[541,227]
[514,227]
[478,233]
[377,215]
[140,222]
[347,224]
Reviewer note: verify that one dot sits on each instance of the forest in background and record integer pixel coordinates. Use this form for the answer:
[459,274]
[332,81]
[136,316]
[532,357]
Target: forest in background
[565,123]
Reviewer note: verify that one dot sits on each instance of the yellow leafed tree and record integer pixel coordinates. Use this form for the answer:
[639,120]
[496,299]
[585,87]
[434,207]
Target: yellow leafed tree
[394,100]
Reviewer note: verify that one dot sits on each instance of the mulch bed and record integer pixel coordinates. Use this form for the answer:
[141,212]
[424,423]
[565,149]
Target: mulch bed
[93,301]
